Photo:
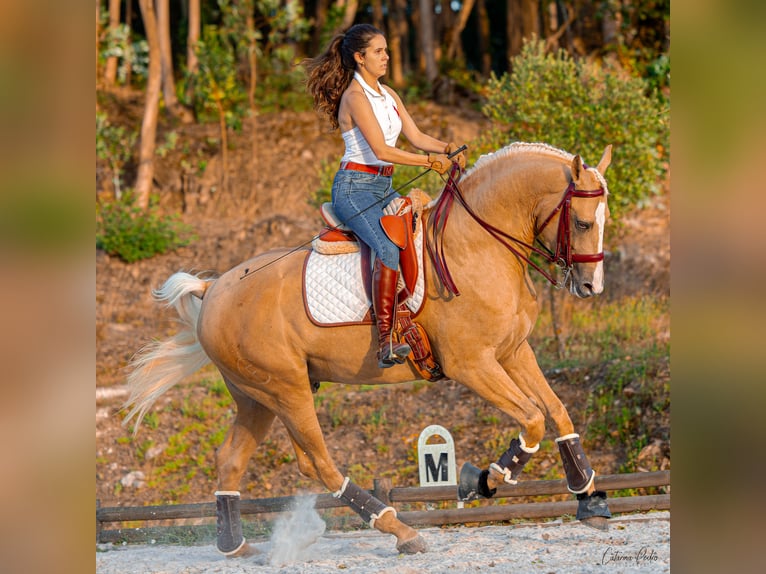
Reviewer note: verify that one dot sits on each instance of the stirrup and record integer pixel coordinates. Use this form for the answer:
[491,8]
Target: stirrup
[393,353]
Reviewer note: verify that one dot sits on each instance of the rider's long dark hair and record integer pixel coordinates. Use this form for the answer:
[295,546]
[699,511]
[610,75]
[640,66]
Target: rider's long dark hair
[330,73]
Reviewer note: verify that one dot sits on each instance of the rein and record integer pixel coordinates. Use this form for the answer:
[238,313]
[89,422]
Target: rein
[563,255]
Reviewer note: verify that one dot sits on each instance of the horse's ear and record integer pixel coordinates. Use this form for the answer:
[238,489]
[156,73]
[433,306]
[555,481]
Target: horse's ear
[576,167]
[605,160]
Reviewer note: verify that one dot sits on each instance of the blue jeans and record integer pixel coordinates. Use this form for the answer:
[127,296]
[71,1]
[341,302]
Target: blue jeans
[357,198]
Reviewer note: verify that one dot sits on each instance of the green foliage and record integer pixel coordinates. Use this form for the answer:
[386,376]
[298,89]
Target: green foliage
[217,91]
[282,86]
[134,56]
[114,144]
[620,409]
[127,231]
[581,108]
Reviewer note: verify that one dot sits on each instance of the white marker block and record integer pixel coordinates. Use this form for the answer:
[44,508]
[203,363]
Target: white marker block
[437,461]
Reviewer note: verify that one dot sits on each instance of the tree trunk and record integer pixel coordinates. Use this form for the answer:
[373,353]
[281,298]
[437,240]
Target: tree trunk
[129,24]
[377,14]
[427,39]
[523,22]
[453,46]
[483,33]
[110,73]
[224,146]
[151,108]
[350,14]
[397,37]
[166,59]
[320,19]
[193,37]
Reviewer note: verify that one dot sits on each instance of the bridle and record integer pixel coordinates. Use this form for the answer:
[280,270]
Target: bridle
[563,256]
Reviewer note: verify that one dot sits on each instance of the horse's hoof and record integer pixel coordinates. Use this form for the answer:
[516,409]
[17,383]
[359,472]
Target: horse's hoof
[593,511]
[243,551]
[597,522]
[412,546]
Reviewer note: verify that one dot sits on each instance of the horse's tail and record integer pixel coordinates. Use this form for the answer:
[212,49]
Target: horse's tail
[161,365]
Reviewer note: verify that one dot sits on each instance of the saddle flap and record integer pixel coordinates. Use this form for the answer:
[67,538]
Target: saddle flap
[395,228]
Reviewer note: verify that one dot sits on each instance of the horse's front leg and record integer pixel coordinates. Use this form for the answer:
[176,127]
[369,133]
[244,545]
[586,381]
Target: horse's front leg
[487,378]
[592,508]
[523,392]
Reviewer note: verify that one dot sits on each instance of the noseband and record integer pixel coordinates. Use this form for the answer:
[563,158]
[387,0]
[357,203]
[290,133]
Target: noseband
[563,256]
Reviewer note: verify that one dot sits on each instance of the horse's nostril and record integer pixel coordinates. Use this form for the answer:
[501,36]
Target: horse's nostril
[588,287]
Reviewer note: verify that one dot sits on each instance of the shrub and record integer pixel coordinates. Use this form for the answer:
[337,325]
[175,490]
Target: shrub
[581,108]
[124,230]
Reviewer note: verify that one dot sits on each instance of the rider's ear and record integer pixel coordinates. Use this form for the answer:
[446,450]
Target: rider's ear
[605,160]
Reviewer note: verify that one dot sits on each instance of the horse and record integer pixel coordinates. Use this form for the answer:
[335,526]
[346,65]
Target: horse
[254,328]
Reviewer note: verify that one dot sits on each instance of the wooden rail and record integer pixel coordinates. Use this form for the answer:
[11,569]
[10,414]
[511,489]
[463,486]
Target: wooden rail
[392,495]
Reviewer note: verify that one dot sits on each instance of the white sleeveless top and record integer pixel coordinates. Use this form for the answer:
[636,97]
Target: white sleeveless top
[384,107]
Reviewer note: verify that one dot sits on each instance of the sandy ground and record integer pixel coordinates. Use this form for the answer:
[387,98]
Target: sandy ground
[635,543]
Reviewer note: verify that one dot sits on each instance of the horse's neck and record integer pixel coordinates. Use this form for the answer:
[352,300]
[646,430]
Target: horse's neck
[508,197]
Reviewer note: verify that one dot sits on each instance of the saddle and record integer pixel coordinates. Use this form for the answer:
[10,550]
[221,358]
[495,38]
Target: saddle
[399,224]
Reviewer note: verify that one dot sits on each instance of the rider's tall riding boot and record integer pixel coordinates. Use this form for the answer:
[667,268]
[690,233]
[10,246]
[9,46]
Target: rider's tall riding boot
[384,291]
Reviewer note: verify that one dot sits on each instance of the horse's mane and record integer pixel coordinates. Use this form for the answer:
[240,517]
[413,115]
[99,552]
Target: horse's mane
[516,148]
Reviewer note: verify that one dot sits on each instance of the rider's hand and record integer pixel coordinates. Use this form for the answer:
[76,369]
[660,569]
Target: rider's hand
[459,158]
[439,162]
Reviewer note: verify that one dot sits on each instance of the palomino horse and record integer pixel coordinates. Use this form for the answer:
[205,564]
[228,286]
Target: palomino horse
[271,356]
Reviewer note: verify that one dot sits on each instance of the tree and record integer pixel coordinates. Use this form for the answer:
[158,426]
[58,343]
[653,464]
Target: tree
[453,42]
[523,22]
[166,61]
[192,38]
[151,109]
[350,15]
[110,72]
[427,39]
[397,42]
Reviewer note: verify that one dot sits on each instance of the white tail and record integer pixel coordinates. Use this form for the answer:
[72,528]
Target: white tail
[161,365]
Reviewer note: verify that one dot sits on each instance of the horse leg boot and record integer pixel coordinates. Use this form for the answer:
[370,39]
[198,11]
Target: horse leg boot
[592,508]
[230,541]
[380,516]
[475,483]
[384,290]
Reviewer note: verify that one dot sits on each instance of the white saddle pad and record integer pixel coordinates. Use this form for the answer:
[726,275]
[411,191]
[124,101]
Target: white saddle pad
[334,292]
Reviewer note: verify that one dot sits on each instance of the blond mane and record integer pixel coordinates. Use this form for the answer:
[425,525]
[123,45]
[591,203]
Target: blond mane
[524,147]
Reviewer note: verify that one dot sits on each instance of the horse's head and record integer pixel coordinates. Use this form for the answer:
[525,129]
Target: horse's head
[579,236]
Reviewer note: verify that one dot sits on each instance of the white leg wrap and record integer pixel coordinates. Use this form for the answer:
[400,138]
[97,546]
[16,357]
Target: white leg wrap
[525,448]
[374,517]
[339,493]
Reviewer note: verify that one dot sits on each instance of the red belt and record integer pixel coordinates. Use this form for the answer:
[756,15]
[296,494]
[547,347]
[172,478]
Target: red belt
[384,170]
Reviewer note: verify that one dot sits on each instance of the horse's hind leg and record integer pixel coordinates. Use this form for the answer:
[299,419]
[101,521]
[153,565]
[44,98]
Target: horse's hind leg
[299,416]
[251,424]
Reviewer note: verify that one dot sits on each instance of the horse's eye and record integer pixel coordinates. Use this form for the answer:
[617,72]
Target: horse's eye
[583,225]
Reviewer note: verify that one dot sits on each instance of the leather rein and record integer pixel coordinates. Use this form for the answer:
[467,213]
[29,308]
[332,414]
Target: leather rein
[563,256]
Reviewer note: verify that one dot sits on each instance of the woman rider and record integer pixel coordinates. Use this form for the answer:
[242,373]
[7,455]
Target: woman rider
[344,83]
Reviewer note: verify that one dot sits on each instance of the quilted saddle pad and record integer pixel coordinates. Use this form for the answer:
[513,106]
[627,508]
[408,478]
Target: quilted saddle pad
[333,291]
